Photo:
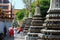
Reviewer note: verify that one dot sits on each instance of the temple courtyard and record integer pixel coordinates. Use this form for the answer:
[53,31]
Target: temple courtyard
[16,37]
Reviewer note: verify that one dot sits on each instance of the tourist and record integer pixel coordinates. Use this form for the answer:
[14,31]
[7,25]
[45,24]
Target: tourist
[21,31]
[5,31]
[15,31]
[11,32]
[18,30]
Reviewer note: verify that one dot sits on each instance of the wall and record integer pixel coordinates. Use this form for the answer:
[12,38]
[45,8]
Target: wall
[16,10]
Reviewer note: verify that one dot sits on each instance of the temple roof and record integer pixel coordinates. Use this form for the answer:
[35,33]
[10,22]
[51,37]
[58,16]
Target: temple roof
[4,1]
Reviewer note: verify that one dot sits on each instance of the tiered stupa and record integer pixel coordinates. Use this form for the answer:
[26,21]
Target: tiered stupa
[36,24]
[24,23]
[28,23]
[29,19]
[52,22]
[37,20]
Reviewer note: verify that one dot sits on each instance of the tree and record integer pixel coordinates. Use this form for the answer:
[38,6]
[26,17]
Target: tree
[33,7]
[28,4]
[44,6]
[20,14]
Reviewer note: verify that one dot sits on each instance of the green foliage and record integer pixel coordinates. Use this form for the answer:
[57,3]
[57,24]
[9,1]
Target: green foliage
[33,7]
[44,6]
[20,14]
[27,13]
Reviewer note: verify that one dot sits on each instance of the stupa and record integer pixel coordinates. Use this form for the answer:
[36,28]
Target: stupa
[36,24]
[24,24]
[28,22]
[37,20]
[52,22]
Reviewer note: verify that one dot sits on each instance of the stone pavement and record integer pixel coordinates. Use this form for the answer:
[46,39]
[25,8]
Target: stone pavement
[16,37]
[19,37]
[9,38]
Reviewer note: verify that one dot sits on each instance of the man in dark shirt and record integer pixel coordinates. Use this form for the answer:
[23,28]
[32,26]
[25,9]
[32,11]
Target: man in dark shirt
[5,31]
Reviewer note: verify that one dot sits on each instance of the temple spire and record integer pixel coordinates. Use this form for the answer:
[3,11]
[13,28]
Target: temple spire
[30,14]
[54,5]
[37,2]
[37,9]
[30,10]
[25,17]
[52,22]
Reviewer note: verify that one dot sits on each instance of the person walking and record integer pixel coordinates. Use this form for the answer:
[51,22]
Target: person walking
[5,31]
[11,32]
[21,31]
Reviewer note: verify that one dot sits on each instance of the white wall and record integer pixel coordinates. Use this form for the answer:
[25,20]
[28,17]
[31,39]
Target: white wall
[8,24]
[2,24]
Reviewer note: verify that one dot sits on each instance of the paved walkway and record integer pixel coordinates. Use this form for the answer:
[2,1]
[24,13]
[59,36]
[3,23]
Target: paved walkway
[16,37]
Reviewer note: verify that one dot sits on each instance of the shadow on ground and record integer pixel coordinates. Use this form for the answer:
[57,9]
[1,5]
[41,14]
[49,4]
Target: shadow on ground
[9,38]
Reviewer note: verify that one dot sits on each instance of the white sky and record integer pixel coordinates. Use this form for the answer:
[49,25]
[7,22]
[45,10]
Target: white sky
[18,4]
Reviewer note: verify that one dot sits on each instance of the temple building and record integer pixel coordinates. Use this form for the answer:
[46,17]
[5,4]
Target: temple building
[52,22]
[6,8]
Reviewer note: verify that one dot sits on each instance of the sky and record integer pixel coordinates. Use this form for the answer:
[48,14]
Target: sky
[18,4]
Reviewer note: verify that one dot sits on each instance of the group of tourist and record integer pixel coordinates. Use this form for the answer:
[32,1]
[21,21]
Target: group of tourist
[12,31]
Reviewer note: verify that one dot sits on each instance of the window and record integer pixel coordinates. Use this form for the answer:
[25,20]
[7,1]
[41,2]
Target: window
[4,1]
[4,7]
